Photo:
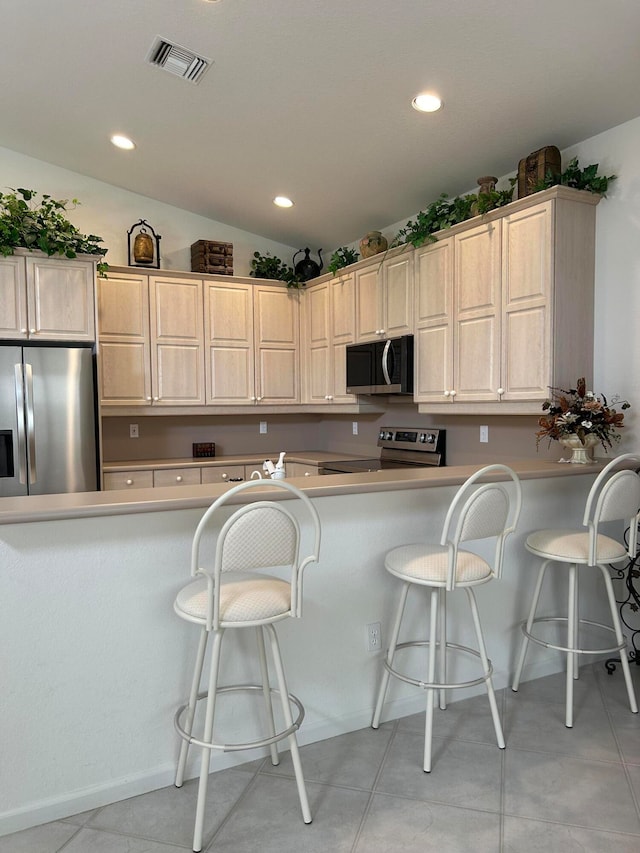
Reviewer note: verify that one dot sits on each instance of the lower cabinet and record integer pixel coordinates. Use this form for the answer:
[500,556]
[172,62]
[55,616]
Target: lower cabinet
[299,469]
[176,477]
[228,474]
[187,476]
[127,480]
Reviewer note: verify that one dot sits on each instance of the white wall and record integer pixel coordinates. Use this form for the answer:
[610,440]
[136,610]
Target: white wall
[110,212]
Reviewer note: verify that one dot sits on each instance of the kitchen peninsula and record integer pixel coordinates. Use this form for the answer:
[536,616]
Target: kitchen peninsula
[95,663]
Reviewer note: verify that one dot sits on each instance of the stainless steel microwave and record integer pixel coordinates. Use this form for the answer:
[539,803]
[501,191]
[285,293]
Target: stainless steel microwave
[381,367]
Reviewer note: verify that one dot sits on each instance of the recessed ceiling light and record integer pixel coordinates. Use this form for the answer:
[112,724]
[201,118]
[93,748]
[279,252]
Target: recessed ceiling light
[123,142]
[282,201]
[426,103]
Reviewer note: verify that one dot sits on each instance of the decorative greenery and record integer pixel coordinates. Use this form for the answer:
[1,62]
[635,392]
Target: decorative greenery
[270,266]
[26,224]
[577,178]
[342,257]
[580,412]
[445,212]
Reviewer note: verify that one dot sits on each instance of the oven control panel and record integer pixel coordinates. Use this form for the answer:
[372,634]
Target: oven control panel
[417,439]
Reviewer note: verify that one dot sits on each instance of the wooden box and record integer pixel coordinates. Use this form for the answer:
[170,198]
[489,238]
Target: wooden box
[534,168]
[211,256]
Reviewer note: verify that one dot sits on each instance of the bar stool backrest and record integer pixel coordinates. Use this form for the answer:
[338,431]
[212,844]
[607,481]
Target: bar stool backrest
[260,535]
[481,512]
[614,496]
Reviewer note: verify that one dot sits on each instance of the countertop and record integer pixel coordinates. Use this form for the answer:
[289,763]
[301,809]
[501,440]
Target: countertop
[305,457]
[124,502]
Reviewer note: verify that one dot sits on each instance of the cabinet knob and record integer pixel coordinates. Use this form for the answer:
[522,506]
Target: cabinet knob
[453,393]
[24,331]
[148,399]
[32,331]
[447,393]
[330,397]
[178,479]
[307,474]
[258,399]
[129,482]
[500,391]
[224,476]
[155,399]
[253,399]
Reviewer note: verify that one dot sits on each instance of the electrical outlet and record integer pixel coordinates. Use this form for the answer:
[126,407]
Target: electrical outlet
[133,431]
[374,637]
[354,427]
[484,434]
[263,427]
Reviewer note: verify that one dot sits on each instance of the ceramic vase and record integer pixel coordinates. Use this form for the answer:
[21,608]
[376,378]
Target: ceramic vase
[372,243]
[581,453]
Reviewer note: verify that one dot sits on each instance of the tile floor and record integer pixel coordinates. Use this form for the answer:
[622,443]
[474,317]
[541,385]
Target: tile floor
[551,790]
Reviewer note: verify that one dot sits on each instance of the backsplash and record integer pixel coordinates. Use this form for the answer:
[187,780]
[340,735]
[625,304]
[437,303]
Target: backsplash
[171,437]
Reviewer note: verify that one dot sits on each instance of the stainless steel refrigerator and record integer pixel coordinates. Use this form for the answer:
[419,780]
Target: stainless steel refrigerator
[48,437]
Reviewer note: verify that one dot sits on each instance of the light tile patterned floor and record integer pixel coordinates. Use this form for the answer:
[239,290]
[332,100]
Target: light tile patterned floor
[552,789]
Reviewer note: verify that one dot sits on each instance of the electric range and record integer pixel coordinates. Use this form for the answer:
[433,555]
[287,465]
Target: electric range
[401,447]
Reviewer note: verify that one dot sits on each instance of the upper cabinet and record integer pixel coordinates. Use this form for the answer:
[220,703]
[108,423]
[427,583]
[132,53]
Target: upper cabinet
[48,299]
[251,334]
[151,340]
[328,326]
[498,305]
[384,296]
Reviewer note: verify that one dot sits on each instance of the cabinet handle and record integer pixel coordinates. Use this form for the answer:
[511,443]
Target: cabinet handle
[447,393]
[178,479]
[24,331]
[258,399]
[453,393]
[129,482]
[32,331]
[148,399]
[253,399]
[307,474]
[224,476]
[500,391]
[155,399]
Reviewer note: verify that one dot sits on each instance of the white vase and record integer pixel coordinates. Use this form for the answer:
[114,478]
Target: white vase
[582,452]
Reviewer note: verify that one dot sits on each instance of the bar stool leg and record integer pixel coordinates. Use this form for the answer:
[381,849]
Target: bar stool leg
[576,629]
[271,726]
[571,640]
[384,684]
[529,624]
[442,672]
[619,637]
[207,738]
[487,667]
[431,675]
[191,708]
[286,710]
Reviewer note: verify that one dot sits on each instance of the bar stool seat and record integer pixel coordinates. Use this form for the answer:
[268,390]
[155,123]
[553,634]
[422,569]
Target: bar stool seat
[614,496]
[478,511]
[234,558]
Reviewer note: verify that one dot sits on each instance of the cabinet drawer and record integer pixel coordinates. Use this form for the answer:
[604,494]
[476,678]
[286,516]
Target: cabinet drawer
[299,469]
[220,474]
[177,477]
[128,480]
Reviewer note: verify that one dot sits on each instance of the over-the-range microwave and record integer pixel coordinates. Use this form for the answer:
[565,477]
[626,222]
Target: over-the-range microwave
[381,367]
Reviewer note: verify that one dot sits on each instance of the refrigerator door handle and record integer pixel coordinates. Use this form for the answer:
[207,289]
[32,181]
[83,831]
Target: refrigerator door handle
[31,430]
[22,440]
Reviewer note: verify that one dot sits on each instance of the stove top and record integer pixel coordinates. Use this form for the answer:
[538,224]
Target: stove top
[401,447]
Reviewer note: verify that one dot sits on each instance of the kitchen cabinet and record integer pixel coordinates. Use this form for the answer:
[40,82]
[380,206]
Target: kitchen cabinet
[299,469]
[384,297]
[228,473]
[151,340]
[127,480]
[176,477]
[498,304]
[328,326]
[47,298]
[252,345]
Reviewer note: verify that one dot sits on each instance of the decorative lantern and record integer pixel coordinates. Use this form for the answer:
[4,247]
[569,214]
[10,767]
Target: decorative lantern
[146,248]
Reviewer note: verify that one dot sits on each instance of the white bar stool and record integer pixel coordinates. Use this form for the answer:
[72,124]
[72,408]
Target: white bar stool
[233,592]
[476,512]
[614,496]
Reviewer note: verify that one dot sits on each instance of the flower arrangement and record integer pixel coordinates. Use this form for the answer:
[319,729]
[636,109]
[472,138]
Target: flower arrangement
[578,412]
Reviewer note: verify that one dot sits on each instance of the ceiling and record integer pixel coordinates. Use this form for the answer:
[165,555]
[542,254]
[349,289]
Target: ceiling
[313,99]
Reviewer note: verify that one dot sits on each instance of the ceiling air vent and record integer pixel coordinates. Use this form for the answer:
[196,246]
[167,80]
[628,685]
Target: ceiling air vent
[177,60]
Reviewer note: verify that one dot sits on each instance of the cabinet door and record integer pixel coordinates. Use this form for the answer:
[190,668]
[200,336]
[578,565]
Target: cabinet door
[397,295]
[124,363]
[13,298]
[477,311]
[177,341]
[368,304]
[229,338]
[526,288]
[60,299]
[316,344]
[433,379]
[276,316]
[343,332]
